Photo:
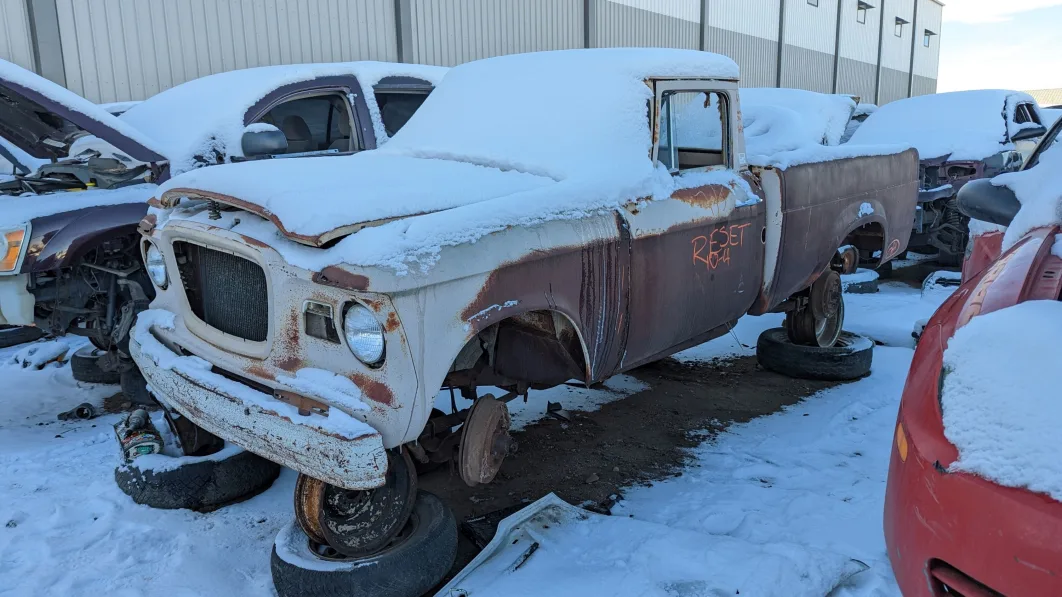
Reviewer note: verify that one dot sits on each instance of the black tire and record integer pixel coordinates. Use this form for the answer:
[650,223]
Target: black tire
[134,386]
[849,359]
[84,366]
[13,335]
[408,568]
[203,484]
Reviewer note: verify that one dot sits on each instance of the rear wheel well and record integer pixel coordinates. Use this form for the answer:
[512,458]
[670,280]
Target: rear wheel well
[868,239]
[535,349]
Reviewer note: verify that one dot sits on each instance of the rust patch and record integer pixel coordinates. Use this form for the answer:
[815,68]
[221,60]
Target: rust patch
[703,197]
[392,322]
[291,363]
[292,334]
[147,224]
[154,202]
[374,304]
[341,278]
[254,242]
[261,372]
[373,389]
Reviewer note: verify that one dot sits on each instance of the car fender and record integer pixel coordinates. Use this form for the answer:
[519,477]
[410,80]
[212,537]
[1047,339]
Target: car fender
[58,240]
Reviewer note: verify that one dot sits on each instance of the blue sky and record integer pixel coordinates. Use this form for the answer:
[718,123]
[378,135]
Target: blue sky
[1009,44]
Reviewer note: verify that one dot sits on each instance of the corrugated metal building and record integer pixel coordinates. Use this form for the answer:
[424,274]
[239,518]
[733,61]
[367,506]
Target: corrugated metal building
[116,50]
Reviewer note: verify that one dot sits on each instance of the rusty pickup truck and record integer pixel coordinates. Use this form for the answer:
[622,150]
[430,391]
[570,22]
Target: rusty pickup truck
[517,245]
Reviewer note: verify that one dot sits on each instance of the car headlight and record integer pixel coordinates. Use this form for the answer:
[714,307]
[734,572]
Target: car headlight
[156,266]
[11,244]
[365,335]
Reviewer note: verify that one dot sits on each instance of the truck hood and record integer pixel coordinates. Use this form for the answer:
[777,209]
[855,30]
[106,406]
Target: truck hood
[316,200]
[43,119]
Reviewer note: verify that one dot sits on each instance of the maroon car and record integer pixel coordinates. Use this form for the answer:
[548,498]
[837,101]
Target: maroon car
[69,261]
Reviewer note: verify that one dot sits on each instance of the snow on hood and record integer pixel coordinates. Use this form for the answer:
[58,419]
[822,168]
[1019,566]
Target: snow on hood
[1039,189]
[1000,398]
[206,114]
[83,113]
[548,135]
[967,125]
[19,210]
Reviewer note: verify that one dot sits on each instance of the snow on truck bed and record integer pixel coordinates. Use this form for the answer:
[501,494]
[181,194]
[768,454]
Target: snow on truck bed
[967,125]
[1000,399]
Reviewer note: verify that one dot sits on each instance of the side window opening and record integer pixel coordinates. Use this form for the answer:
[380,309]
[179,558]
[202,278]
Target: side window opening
[1026,113]
[397,107]
[693,130]
[314,123]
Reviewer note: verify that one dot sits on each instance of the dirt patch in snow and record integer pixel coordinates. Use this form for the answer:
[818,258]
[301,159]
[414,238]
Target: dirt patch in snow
[636,440]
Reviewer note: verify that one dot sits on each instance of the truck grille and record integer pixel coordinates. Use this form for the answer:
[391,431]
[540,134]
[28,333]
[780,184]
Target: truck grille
[225,291]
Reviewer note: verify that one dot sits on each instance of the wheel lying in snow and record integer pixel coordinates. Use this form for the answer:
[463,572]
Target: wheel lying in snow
[201,483]
[85,366]
[849,358]
[414,562]
[13,335]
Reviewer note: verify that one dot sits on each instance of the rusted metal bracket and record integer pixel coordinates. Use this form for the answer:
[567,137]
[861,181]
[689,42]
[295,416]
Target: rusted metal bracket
[306,406]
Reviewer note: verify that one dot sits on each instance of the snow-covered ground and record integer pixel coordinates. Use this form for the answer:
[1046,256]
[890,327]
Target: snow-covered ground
[812,476]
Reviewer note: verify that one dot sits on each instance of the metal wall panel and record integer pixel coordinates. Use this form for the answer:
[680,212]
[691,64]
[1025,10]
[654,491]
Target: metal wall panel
[807,69]
[646,23]
[757,57]
[458,31]
[16,44]
[896,51]
[856,77]
[924,86]
[811,27]
[757,18]
[116,50]
[859,41]
[893,85]
[927,59]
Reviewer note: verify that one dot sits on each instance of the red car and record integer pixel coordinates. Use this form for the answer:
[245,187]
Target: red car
[954,533]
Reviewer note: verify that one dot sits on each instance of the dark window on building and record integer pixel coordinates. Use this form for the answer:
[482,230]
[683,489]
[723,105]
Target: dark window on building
[927,37]
[861,12]
[813,2]
[899,26]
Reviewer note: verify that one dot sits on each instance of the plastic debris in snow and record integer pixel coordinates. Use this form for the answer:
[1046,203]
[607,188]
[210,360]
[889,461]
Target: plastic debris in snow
[1039,190]
[967,125]
[553,548]
[1000,397]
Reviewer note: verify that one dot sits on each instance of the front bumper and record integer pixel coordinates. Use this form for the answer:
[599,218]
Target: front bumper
[336,448]
[947,528]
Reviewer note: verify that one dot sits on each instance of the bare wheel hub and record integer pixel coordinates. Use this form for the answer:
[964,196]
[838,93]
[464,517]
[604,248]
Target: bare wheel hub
[485,441]
[357,523]
[819,322]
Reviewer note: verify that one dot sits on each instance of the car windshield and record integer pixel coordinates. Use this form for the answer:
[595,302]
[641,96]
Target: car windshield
[1049,140]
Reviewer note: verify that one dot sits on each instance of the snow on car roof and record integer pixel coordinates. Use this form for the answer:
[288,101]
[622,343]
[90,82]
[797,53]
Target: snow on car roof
[1039,189]
[999,400]
[968,125]
[195,117]
[823,115]
[550,135]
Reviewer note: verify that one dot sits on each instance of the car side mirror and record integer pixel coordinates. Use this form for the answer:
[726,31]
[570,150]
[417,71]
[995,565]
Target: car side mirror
[1032,132]
[982,200]
[262,139]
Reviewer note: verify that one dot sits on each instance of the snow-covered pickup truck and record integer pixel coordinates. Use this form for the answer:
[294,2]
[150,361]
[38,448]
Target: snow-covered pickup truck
[69,261]
[542,218]
[960,136]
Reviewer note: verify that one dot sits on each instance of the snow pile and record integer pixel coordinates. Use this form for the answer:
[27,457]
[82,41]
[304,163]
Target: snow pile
[16,211]
[13,73]
[197,118]
[1000,399]
[39,354]
[823,114]
[967,125]
[1039,189]
[579,553]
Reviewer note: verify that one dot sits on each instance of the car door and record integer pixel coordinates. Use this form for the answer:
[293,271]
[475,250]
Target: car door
[696,257]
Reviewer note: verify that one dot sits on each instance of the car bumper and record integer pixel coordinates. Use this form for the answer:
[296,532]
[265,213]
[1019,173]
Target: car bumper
[16,303]
[332,447]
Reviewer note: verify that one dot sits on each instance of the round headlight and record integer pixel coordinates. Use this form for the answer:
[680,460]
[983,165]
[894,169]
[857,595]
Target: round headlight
[156,266]
[365,335]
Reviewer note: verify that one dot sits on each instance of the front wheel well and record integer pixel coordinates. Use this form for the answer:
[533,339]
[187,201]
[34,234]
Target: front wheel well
[535,349]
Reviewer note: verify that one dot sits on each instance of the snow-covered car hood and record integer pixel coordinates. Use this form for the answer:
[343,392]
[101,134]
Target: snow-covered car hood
[316,200]
[44,119]
[19,210]
[965,125]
